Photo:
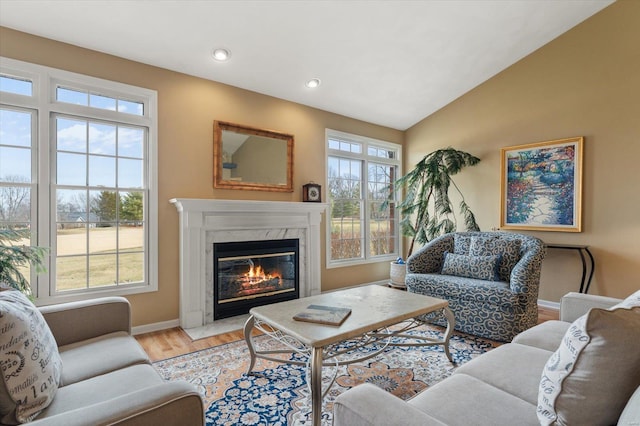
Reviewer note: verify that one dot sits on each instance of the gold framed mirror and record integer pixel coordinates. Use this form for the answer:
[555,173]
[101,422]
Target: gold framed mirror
[246,157]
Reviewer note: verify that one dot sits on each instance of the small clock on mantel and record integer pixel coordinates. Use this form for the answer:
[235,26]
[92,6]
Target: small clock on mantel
[311,192]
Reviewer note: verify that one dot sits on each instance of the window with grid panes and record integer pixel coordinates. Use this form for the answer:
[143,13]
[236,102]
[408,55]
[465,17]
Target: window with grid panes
[78,168]
[360,172]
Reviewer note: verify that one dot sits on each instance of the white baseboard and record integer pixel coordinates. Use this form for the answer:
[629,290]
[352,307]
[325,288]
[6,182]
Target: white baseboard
[157,326]
[549,305]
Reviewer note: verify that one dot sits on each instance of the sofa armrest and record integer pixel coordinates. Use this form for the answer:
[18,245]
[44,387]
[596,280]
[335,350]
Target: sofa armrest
[368,405]
[76,321]
[525,275]
[168,404]
[573,305]
[429,258]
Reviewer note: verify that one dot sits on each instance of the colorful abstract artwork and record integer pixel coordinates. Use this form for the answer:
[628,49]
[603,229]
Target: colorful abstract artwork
[541,186]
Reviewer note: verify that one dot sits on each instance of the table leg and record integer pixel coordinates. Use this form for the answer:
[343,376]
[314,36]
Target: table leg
[593,268]
[316,385]
[584,271]
[451,323]
[248,327]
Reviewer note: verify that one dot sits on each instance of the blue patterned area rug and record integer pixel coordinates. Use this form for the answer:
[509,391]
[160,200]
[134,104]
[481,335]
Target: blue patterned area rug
[280,396]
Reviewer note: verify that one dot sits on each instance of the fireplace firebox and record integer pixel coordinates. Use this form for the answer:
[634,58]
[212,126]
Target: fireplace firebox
[253,273]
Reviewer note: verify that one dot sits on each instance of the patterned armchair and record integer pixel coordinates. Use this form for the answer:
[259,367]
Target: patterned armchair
[490,279]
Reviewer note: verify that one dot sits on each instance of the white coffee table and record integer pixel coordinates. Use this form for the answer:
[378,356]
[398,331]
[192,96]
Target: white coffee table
[374,308]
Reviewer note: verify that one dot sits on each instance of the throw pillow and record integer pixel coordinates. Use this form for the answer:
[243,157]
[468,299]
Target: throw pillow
[509,250]
[478,267]
[29,360]
[594,372]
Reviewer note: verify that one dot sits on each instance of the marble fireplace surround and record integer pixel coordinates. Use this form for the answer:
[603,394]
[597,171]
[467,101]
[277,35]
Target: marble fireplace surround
[204,222]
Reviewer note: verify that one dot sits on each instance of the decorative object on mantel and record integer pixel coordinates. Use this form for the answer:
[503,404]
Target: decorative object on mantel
[311,192]
[541,186]
[246,157]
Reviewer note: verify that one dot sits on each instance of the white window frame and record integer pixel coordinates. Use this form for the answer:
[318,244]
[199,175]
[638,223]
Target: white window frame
[43,102]
[365,158]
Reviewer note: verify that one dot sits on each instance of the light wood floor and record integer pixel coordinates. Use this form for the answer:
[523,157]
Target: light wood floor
[173,342]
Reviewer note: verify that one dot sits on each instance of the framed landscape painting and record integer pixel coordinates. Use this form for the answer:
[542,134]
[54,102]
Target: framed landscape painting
[541,186]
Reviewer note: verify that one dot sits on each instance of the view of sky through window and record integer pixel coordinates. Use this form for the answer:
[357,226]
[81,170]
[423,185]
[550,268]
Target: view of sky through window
[81,162]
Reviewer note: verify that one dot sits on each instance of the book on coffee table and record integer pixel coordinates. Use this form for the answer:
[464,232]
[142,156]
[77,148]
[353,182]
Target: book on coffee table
[329,315]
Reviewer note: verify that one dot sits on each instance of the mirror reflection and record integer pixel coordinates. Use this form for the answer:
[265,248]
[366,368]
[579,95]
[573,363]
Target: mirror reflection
[251,158]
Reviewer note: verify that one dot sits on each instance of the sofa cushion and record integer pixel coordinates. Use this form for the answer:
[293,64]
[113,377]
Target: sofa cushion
[361,406]
[100,355]
[450,287]
[478,267]
[596,369]
[508,250]
[547,335]
[101,388]
[29,360]
[462,400]
[501,365]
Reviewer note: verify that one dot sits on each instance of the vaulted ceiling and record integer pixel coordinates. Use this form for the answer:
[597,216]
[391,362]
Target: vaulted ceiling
[386,62]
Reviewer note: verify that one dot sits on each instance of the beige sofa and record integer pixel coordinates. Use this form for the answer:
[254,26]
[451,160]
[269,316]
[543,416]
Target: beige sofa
[106,376]
[501,387]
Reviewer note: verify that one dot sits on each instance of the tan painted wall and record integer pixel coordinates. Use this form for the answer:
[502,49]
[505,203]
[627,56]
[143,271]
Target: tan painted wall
[187,108]
[584,83]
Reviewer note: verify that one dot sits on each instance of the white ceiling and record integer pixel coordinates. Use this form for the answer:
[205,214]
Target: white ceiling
[386,62]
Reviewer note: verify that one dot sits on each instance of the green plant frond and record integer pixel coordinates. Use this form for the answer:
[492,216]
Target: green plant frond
[8,235]
[455,160]
[422,236]
[409,200]
[11,276]
[426,210]
[442,203]
[431,231]
[407,229]
[469,218]
[14,256]
[446,226]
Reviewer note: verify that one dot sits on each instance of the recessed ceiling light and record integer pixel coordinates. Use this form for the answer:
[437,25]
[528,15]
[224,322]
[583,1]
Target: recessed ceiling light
[313,83]
[221,54]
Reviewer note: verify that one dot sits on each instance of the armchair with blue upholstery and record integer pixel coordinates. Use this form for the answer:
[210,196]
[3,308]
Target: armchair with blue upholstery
[490,279]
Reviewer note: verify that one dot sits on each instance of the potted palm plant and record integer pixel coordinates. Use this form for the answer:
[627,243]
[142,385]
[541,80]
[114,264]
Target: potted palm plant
[426,210]
[15,256]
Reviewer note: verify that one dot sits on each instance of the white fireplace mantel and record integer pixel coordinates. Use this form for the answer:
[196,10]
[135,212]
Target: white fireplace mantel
[204,222]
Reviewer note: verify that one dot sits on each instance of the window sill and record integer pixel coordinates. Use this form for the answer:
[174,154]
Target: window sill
[94,294]
[347,263]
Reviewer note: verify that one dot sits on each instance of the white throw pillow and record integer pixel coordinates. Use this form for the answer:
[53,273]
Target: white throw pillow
[594,372]
[29,360]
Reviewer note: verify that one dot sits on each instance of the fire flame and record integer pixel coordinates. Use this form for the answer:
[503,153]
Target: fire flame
[256,274]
